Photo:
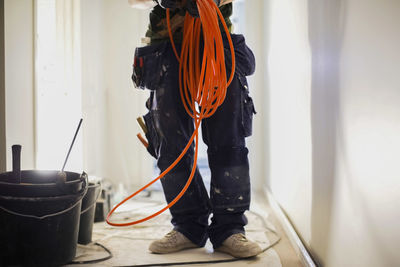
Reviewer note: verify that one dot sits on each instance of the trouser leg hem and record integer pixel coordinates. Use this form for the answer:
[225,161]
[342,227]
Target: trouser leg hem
[200,241]
[217,242]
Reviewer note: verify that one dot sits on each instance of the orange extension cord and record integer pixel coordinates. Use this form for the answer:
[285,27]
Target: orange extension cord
[203,89]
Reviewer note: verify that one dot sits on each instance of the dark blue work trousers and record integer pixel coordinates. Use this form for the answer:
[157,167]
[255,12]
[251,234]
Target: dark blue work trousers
[170,128]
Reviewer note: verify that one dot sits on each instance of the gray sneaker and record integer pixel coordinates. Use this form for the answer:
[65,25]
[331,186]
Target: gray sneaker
[171,242]
[239,246]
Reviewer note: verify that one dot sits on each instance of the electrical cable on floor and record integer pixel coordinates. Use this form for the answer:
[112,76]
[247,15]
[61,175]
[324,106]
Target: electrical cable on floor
[110,255]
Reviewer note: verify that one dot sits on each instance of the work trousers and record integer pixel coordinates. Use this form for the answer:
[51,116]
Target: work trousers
[169,129]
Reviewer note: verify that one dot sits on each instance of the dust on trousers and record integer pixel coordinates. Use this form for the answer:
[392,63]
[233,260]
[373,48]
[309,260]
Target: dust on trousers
[169,129]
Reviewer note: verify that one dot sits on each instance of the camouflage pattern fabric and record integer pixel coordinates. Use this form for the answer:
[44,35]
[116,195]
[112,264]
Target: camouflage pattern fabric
[158,30]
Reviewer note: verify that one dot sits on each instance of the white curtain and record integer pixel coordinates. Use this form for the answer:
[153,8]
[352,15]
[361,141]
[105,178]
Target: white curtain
[58,83]
[110,32]
[69,66]
[84,64]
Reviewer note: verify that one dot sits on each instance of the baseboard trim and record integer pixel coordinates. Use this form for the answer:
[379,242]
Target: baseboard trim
[294,239]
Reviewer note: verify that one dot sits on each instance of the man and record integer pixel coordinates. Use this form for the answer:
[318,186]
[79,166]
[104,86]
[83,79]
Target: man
[169,128]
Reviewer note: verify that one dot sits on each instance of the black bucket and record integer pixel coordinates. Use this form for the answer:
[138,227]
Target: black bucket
[34,183]
[87,213]
[40,230]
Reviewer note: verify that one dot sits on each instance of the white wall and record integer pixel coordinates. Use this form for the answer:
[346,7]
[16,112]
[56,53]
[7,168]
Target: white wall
[334,125]
[110,32]
[368,144]
[93,87]
[19,80]
[289,104]
[258,143]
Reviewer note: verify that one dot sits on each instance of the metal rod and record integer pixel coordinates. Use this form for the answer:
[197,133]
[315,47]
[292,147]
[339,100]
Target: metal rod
[73,141]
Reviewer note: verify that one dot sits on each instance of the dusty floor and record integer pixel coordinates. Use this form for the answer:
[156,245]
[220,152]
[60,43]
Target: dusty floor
[129,245]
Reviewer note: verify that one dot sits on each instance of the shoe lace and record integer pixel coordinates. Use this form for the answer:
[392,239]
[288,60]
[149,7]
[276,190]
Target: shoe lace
[170,234]
[241,237]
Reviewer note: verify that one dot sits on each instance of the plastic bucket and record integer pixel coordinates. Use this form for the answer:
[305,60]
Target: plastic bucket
[87,213]
[41,231]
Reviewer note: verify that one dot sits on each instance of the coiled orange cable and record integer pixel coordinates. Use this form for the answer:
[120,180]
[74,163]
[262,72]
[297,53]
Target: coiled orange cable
[202,89]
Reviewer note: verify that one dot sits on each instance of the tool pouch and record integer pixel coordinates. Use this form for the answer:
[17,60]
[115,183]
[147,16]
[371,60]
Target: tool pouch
[147,66]
[245,66]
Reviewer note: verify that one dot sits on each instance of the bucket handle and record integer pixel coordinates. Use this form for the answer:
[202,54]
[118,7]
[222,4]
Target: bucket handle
[62,179]
[82,194]
[95,201]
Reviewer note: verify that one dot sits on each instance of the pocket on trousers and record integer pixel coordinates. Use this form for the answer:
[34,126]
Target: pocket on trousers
[247,108]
